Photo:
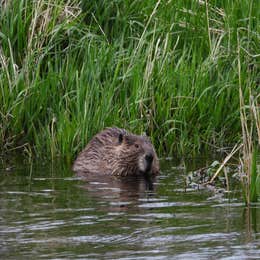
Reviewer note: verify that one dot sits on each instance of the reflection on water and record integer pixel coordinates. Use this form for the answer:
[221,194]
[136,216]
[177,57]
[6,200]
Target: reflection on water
[48,212]
[119,193]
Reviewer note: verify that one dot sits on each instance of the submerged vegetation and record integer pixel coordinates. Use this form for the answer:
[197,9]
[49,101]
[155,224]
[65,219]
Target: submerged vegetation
[173,69]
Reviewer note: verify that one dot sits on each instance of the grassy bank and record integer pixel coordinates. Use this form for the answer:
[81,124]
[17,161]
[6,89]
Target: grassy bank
[168,68]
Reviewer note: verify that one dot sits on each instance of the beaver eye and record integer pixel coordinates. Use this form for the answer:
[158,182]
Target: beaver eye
[137,146]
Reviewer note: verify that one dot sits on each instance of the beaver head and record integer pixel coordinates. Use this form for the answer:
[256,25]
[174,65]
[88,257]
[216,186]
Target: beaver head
[135,154]
[118,152]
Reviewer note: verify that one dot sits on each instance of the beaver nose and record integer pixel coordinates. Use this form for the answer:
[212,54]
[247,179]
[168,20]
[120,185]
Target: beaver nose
[149,157]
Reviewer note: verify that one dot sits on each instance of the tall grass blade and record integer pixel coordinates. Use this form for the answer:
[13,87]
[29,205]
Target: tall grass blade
[254,175]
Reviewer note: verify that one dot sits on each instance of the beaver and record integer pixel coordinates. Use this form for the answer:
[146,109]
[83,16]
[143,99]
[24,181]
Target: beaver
[118,152]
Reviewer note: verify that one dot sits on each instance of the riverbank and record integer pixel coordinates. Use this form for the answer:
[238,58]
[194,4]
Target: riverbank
[169,69]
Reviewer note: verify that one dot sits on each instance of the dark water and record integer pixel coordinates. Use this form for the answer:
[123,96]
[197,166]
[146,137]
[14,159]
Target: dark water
[47,212]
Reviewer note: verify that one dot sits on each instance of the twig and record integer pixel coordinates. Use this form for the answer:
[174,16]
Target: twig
[234,150]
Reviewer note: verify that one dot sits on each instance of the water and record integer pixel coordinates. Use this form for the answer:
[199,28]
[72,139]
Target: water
[46,212]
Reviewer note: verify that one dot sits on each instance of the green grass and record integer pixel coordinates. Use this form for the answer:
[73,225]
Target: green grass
[167,68]
[254,175]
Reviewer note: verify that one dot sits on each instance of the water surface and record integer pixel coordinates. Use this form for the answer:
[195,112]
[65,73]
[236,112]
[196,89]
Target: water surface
[46,212]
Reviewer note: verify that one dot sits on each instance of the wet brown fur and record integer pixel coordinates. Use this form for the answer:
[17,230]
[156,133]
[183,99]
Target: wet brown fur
[115,151]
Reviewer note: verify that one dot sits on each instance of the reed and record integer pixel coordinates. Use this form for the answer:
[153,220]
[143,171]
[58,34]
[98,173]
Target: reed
[250,124]
[167,68]
[250,175]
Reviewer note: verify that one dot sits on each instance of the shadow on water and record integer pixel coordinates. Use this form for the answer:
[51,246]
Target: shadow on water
[46,211]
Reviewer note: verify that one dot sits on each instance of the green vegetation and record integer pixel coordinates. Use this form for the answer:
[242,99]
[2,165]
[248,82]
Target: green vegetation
[172,69]
[250,122]
[254,183]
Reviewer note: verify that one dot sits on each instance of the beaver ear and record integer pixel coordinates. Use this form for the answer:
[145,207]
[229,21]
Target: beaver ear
[146,136]
[120,138]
